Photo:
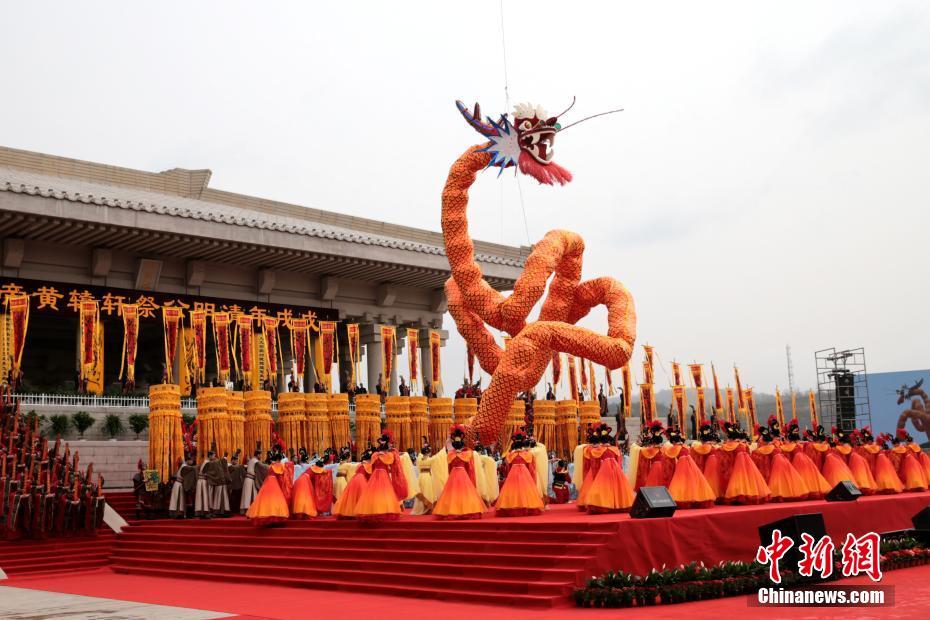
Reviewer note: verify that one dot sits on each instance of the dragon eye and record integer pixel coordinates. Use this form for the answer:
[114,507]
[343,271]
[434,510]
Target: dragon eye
[525,125]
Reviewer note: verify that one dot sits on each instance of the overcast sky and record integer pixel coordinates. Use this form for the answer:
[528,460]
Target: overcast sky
[767,183]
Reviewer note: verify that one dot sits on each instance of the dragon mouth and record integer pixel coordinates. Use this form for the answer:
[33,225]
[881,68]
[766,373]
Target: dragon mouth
[538,143]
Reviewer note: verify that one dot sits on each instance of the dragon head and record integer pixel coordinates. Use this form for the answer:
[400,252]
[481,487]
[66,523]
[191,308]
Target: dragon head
[526,142]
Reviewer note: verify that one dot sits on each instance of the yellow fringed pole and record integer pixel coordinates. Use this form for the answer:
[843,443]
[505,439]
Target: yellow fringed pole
[292,420]
[235,406]
[516,420]
[212,422]
[319,435]
[367,419]
[419,421]
[544,423]
[566,422]
[258,420]
[339,424]
[166,442]
[465,409]
[397,420]
[440,421]
[589,412]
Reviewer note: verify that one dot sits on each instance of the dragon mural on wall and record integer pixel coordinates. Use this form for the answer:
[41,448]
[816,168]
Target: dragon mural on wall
[919,411]
[525,144]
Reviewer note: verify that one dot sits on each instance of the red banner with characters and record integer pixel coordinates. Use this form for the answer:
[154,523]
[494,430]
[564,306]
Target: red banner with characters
[18,304]
[353,337]
[435,344]
[244,327]
[584,376]
[328,342]
[130,314]
[221,322]
[646,404]
[89,315]
[171,316]
[388,342]
[572,378]
[270,331]
[413,361]
[298,329]
[199,329]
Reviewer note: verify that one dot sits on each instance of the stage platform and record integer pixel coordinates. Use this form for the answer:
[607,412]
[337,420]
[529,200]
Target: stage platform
[527,561]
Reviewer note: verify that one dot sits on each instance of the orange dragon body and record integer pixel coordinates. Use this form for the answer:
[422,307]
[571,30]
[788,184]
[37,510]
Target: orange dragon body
[527,145]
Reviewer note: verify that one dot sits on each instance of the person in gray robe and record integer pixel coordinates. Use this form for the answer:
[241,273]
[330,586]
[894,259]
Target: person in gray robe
[185,481]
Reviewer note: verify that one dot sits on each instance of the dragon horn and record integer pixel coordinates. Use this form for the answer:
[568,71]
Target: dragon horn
[474,119]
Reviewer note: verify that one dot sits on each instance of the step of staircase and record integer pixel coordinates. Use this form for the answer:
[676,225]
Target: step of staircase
[28,557]
[496,561]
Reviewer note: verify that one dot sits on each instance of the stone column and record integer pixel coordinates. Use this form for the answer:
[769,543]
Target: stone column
[345,363]
[370,337]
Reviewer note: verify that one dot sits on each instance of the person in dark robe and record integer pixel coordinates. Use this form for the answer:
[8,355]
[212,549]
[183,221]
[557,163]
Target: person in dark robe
[236,480]
[602,401]
[182,488]
[550,394]
[209,476]
[403,389]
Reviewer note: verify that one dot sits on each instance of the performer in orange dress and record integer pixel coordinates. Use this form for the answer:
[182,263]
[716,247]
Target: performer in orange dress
[783,479]
[706,456]
[387,485]
[886,478]
[321,481]
[921,457]
[653,469]
[855,465]
[816,446]
[303,504]
[608,489]
[348,500]
[817,485]
[459,498]
[744,483]
[910,472]
[687,485]
[519,495]
[271,504]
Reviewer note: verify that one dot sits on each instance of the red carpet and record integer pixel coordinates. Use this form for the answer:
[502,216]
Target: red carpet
[912,599]
[56,554]
[523,562]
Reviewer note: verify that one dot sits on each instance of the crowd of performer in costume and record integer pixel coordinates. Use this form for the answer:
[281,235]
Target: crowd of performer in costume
[43,491]
[724,465]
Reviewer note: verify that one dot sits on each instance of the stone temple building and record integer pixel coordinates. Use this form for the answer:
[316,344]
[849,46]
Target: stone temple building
[71,229]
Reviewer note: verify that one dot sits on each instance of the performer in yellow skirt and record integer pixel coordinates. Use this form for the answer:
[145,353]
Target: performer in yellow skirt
[607,489]
[387,486]
[519,494]
[426,490]
[342,472]
[688,487]
[357,475]
[271,503]
[460,498]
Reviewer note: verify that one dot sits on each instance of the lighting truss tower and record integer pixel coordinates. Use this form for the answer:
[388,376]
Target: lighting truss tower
[790,369]
[842,388]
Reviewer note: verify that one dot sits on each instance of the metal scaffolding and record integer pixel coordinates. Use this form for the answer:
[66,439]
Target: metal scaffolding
[832,366]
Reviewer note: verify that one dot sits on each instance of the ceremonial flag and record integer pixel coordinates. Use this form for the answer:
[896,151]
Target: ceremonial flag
[681,401]
[18,304]
[584,376]
[572,380]
[270,331]
[328,342]
[794,405]
[435,344]
[298,329]
[702,410]
[609,380]
[353,337]
[814,419]
[740,396]
[647,404]
[244,326]
[697,374]
[127,364]
[199,329]
[171,317]
[388,345]
[556,369]
[718,402]
[676,373]
[779,409]
[731,408]
[648,350]
[627,389]
[592,379]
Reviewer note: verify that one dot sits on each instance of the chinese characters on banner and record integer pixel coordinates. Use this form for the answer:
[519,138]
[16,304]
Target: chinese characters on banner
[388,346]
[435,345]
[413,363]
[859,555]
[130,314]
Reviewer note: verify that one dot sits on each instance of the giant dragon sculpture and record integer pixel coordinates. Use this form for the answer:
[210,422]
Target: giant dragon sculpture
[526,144]
[919,411]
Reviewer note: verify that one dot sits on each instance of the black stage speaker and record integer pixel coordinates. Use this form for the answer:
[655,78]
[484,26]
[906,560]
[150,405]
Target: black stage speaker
[844,491]
[793,527]
[651,503]
[921,520]
[845,399]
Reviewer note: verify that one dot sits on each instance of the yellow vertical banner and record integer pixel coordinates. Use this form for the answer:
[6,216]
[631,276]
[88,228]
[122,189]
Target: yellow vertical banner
[647,406]
[187,365]
[815,420]
[718,402]
[388,347]
[779,409]
[794,405]
[681,402]
[572,378]
[95,379]
[676,373]
[609,380]
[740,394]
[435,344]
[413,361]
[327,352]
[627,389]
[353,337]
[731,406]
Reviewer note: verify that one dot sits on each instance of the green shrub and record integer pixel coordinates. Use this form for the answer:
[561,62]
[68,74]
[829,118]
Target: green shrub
[138,422]
[82,421]
[113,425]
[59,425]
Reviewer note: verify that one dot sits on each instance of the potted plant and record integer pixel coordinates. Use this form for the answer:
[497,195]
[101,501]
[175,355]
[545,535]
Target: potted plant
[59,425]
[113,426]
[138,422]
[82,421]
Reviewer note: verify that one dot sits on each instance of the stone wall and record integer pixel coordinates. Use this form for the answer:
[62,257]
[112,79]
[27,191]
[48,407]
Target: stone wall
[115,460]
